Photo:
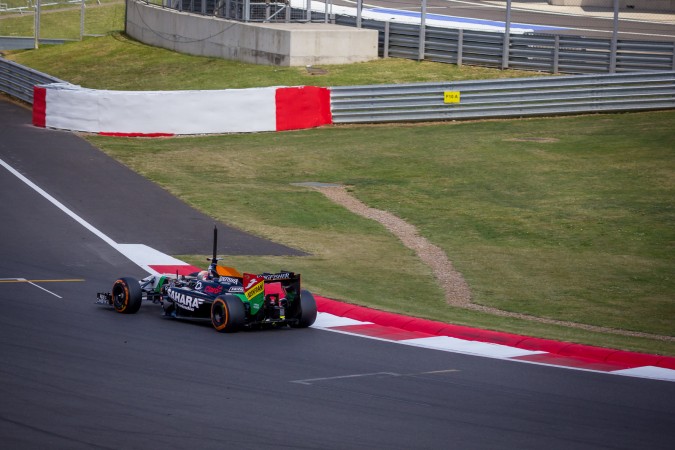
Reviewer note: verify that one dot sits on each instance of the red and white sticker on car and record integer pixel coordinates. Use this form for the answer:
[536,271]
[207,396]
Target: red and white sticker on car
[254,285]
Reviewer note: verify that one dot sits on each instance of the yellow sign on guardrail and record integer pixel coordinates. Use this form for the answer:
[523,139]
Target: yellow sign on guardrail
[451,97]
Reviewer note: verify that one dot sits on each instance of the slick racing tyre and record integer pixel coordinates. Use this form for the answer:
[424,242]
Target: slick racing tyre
[126,295]
[227,314]
[307,312]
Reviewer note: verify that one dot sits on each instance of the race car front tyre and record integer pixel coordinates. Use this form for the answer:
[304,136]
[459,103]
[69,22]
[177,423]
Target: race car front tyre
[307,313]
[126,295]
[227,314]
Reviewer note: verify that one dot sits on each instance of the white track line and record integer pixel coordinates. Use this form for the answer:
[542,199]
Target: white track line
[139,254]
[59,205]
[40,287]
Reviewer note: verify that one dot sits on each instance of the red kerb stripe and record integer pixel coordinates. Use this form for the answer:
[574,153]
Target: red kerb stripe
[146,135]
[567,352]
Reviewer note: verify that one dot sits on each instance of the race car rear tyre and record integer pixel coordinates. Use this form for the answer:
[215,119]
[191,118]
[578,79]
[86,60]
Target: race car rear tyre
[307,313]
[227,314]
[126,295]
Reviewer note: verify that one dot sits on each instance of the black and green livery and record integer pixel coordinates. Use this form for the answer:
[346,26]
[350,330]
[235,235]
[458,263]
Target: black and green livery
[230,300]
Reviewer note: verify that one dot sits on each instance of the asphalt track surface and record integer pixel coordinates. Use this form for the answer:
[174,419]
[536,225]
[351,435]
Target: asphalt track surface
[567,23]
[78,375]
[116,200]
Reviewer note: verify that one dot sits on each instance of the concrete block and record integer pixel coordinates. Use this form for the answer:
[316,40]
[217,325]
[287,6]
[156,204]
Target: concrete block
[293,44]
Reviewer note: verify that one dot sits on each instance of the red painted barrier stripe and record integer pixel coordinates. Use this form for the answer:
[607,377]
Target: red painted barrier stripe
[146,135]
[302,107]
[39,106]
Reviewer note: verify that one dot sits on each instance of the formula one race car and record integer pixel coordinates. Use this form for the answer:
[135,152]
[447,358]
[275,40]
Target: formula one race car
[230,300]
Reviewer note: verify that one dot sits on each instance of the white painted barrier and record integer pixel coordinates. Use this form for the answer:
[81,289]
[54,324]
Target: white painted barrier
[146,113]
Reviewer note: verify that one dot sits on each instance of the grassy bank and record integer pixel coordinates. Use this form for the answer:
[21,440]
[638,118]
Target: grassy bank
[562,218]
[62,21]
[118,62]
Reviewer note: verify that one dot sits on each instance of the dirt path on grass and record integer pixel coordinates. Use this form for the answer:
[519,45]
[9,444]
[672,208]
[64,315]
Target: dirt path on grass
[457,291]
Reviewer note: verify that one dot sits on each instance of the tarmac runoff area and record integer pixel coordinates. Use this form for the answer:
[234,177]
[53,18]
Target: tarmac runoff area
[413,16]
[368,323]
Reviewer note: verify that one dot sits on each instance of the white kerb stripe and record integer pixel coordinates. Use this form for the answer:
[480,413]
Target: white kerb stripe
[471,347]
[657,373]
[326,320]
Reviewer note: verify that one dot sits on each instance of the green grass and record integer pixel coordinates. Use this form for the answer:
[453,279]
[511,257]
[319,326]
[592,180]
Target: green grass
[563,218]
[118,62]
[62,21]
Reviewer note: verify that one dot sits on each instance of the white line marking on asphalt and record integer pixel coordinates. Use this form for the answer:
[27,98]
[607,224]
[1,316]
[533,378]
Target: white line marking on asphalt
[309,381]
[59,205]
[131,251]
[39,287]
[434,372]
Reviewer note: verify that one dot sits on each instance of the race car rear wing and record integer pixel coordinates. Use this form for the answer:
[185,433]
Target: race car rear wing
[283,284]
[255,284]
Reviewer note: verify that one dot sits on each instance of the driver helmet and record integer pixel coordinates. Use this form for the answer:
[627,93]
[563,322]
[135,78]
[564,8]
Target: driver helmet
[203,275]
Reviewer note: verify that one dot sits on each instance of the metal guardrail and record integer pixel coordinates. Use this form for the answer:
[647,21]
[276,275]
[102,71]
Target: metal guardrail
[540,52]
[518,97]
[241,10]
[19,42]
[18,81]
[553,53]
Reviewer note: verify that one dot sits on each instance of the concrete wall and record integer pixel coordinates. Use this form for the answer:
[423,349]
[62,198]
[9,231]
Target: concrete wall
[269,44]
[637,5]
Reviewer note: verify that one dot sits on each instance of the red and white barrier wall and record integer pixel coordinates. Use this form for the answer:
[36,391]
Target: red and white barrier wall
[159,113]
